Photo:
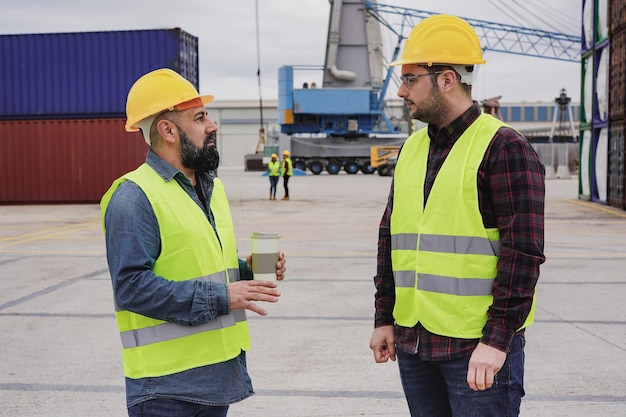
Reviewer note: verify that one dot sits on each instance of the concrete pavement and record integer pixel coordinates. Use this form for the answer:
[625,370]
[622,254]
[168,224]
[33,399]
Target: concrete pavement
[310,357]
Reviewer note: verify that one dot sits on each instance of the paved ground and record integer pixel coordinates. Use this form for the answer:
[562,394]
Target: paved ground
[60,351]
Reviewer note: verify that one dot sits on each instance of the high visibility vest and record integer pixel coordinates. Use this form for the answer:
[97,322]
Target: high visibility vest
[444,260]
[289,166]
[274,168]
[190,250]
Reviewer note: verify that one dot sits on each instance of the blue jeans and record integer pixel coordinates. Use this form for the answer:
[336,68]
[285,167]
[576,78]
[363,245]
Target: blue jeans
[167,407]
[273,184]
[440,389]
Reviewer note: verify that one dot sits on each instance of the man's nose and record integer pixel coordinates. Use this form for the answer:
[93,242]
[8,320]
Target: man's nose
[212,126]
[402,90]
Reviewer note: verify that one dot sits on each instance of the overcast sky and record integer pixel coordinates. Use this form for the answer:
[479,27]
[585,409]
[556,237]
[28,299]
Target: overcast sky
[294,32]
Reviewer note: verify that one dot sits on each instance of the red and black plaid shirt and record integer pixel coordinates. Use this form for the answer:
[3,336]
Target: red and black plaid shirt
[511,192]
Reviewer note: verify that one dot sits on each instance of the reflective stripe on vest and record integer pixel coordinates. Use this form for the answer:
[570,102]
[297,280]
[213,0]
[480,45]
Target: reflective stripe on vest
[190,250]
[444,260]
[451,244]
[169,331]
[442,284]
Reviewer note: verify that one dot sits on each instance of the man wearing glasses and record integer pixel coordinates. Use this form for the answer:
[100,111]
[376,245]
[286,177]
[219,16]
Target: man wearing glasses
[461,238]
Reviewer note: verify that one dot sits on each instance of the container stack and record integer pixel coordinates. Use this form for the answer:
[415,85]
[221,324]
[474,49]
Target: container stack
[63,105]
[617,104]
[603,114]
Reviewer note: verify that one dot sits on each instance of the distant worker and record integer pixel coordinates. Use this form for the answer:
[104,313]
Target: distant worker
[179,288]
[287,172]
[273,170]
[461,238]
[492,106]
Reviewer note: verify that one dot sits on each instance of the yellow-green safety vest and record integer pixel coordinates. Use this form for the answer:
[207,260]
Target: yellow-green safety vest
[273,168]
[190,250]
[289,166]
[444,260]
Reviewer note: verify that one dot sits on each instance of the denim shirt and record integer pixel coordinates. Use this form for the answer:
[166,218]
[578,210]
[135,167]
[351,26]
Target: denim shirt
[133,244]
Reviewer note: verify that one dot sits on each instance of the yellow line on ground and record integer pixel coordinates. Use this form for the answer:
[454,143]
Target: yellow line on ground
[53,252]
[598,207]
[33,233]
[44,234]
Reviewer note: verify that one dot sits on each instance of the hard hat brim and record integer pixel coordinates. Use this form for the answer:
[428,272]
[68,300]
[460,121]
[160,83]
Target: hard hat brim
[205,99]
[194,103]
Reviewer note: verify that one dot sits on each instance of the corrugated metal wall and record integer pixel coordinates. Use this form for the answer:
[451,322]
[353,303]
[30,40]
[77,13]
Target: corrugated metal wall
[65,161]
[602,148]
[617,105]
[86,74]
[63,105]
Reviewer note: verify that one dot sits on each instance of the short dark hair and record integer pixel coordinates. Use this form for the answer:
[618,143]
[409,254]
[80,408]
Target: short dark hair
[440,68]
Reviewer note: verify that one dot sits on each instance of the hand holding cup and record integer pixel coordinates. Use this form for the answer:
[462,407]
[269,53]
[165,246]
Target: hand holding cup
[265,256]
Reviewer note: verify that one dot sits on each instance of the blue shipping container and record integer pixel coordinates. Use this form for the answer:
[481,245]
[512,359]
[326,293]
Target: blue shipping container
[86,74]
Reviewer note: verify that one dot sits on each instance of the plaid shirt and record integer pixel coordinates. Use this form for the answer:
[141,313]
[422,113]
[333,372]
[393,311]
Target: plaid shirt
[511,191]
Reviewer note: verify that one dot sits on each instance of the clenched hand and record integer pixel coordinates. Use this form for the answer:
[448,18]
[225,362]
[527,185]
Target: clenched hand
[383,345]
[484,364]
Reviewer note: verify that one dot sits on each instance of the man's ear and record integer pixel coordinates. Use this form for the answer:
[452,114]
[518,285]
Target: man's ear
[166,130]
[448,79]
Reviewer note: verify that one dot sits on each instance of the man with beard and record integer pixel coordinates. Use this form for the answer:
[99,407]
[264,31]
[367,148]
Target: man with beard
[460,241]
[179,288]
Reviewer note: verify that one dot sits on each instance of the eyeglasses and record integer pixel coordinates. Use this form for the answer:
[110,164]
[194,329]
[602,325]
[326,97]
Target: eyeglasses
[408,80]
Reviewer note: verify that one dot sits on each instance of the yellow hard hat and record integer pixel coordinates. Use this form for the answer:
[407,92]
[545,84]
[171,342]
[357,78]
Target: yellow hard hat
[285,153]
[274,155]
[442,39]
[157,91]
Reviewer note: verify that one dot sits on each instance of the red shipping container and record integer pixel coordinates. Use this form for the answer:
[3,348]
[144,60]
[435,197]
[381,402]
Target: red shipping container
[617,10]
[617,76]
[617,164]
[65,161]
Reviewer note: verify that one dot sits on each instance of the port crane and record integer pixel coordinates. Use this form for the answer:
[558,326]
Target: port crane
[498,37]
[334,126]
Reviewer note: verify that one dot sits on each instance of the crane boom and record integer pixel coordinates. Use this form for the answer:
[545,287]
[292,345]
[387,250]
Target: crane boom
[493,36]
[345,123]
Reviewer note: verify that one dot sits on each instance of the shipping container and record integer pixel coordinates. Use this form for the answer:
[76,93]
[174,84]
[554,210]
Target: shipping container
[65,160]
[86,74]
[586,164]
[586,108]
[596,96]
[617,76]
[617,9]
[617,155]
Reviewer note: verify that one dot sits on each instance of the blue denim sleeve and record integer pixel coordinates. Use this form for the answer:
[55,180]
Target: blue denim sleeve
[133,244]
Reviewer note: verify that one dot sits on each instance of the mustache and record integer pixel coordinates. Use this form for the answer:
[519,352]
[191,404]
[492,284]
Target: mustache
[211,138]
